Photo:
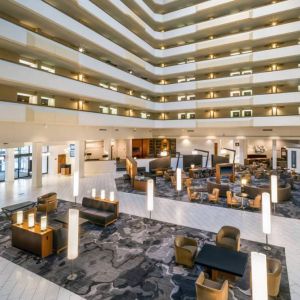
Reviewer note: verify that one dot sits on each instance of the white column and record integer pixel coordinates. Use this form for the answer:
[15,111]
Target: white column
[10,165]
[274,155]
[107,147]
[79,157]
[37,164]
[242,151]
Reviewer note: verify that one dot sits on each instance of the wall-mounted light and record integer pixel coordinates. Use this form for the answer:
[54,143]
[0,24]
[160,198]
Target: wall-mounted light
[274,111]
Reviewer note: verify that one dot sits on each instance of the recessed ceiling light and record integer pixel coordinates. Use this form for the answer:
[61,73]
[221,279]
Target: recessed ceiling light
[81,49]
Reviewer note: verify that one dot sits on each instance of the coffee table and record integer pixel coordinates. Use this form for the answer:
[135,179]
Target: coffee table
[9,210]
[64,219]
[222,259]
[242,196]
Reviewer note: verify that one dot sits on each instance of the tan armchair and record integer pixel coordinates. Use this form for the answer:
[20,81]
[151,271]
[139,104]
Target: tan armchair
[214,196]
[231,201]
[256,203]
[185,250]
[188,182]
[207,289]
[173,181]
[192,195]
[274,276]
[47,203]
[229,237]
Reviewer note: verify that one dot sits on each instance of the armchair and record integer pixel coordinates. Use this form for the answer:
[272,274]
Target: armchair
[231,201]
[256,203]
[274,276]
[185,250]
[192,195]
[214,196]
[207,289]
[229,237]
[47,203]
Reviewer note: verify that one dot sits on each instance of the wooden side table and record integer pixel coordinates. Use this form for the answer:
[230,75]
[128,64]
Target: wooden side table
[32,239]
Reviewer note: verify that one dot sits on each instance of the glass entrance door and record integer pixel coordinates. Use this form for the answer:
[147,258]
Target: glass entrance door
[2,164]
[23,162]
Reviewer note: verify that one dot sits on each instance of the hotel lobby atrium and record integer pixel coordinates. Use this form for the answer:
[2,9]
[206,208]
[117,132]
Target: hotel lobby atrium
[150,149]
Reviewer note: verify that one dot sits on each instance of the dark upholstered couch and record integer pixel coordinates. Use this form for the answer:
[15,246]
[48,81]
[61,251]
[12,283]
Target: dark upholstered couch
[284,192]
[101,212]
[223,187]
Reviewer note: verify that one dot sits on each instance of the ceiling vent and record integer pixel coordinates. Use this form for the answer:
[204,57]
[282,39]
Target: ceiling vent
[102,129]
[267,129]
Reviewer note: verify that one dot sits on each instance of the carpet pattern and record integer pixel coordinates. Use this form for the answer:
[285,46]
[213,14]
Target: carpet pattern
[131,259]
[164,189]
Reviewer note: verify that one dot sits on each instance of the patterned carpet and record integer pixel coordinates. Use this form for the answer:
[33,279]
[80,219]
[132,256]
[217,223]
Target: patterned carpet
[131,259]
[164,189]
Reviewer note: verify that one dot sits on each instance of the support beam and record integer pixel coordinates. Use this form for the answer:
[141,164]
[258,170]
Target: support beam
[37,164]
[10,165]
[79,157]
[274,155]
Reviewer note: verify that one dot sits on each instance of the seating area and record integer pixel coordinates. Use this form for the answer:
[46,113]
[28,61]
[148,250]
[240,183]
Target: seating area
[194,260]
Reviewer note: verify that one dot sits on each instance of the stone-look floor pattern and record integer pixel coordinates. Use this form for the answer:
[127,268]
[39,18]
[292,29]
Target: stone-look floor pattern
[164,189]
[131,259]
[285,232]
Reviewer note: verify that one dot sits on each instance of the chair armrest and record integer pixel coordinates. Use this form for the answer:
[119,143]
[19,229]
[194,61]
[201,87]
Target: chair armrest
[190,242]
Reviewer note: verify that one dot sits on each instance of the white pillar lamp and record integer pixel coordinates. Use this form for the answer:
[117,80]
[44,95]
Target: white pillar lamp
[76,185]
[43,224]
[31,221]
[93,193]
[20,217]
[259,277]
[274,190]
[266,215]
[150,196]
[178,181]
[73,239]
[102,195]
[112,196]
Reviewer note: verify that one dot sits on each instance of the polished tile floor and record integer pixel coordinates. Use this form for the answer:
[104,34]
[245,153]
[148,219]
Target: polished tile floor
[285,232]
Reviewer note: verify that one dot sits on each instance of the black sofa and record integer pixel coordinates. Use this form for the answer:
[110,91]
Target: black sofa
[99,212]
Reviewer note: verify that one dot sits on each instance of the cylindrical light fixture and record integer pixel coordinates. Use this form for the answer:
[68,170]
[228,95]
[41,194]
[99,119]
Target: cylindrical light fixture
[76,185]
[93,193]
[192,166]
[243,181]
[73,233]
[178,180]
[43,223]
[150,195]
[112,196]
[102,195]
[266,215]
[31,221]
[259,276]
[20,217]
[274,189]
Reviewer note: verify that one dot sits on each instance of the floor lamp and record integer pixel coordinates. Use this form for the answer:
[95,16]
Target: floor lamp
[75,185]
[178,181]
[259,277]
[266,215]
[73,239]
[274,191]
[150,196]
